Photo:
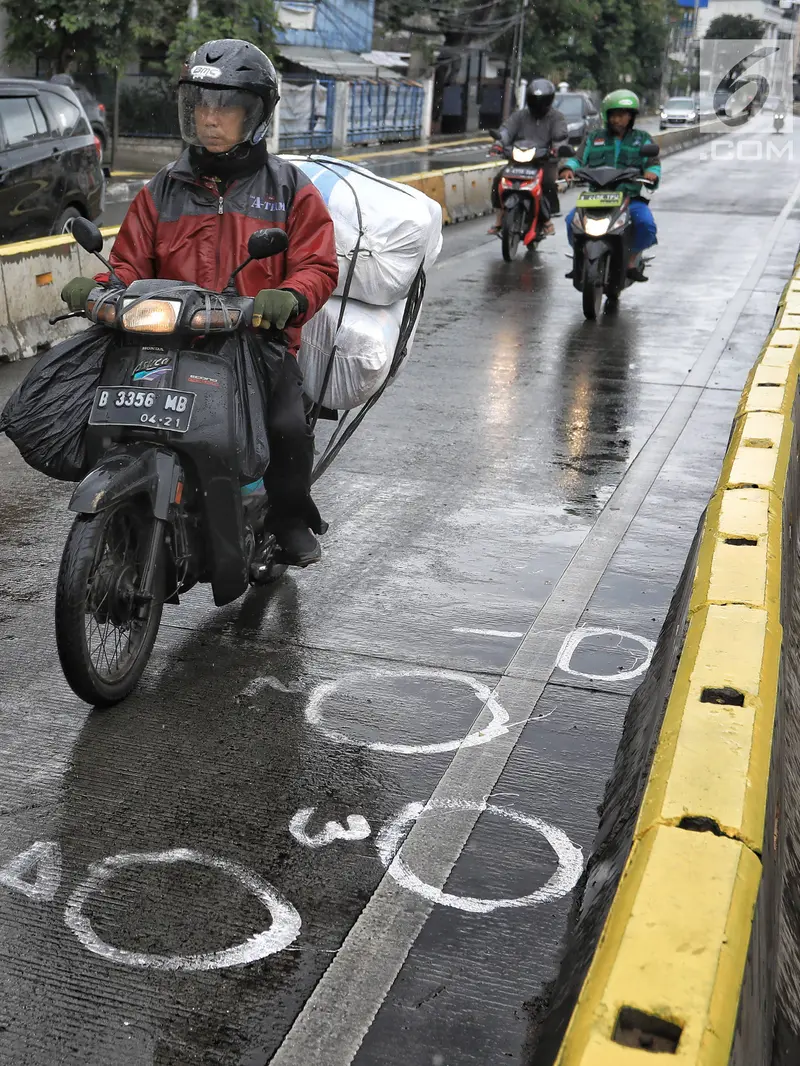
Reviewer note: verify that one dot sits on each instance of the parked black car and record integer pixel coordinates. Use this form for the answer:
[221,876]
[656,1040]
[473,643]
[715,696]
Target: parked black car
[95,110]
[50,170]
[580,112]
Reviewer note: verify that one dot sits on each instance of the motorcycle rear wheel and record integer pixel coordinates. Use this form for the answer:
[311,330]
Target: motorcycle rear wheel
[510,233]
[594,273]
[103,635]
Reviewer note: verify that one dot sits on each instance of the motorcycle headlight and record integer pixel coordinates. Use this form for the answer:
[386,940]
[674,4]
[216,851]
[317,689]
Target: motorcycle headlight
[152,316]
[596,227]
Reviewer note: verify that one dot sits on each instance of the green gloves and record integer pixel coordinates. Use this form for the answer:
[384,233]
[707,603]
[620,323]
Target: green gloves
[273,307]
[76,292]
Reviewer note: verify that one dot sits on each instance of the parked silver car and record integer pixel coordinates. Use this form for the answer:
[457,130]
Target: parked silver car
[679,111]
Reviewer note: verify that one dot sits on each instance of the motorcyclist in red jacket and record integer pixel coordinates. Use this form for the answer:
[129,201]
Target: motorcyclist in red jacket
[192,223]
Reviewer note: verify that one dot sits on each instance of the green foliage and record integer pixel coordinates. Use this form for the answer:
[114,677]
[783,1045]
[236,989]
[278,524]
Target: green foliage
[99,33]
[735,28]
[108,34]
[599,44]
[252,20]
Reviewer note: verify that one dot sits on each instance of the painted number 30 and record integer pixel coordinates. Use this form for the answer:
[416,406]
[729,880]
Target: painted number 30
[36,873]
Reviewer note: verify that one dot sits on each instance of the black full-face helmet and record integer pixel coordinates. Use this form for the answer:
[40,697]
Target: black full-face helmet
[539,96]
[228,73]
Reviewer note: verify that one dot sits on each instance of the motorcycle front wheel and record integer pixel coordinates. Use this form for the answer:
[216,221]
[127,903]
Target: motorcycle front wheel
[511,232]
[105,631]
[594,276]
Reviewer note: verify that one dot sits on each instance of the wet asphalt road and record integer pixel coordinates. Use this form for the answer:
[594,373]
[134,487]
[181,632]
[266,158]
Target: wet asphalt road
[527,475]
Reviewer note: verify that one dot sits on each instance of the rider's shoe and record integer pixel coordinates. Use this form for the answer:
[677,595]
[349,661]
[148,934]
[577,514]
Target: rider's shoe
[637,274]
[571,274]
[297,544]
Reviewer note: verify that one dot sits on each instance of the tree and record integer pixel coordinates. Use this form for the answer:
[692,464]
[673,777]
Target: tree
[98,34]
[735,28]
[599,44]
[106,35]
[252,20]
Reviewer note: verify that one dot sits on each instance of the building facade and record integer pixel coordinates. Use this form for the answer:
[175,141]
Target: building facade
[343,25]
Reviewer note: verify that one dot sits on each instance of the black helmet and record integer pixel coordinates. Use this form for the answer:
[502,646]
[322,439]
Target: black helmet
[539,96]
[228,73]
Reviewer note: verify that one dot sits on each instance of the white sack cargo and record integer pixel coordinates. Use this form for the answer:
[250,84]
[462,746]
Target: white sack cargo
[366,343]
[401,228]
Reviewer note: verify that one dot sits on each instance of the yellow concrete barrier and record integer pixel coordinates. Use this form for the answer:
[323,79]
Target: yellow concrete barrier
[675,942]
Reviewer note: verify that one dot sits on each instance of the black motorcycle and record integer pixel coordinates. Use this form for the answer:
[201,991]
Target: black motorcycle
[163,506]
[602,230]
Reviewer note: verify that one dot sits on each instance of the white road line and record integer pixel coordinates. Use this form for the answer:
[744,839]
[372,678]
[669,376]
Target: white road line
[341,1009]
[510,633]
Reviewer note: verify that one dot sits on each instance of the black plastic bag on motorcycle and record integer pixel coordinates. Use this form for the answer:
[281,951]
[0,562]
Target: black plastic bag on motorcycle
[47,415]
[256,361]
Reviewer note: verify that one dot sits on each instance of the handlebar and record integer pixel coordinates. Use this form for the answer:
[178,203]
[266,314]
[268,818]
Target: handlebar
[176,308]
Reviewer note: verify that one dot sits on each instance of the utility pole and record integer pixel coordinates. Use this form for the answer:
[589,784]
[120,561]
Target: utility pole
[696,45]
[519,36]
[194,9]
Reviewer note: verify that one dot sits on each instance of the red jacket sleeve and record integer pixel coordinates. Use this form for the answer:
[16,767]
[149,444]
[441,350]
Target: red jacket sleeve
[312,268]
[133,256]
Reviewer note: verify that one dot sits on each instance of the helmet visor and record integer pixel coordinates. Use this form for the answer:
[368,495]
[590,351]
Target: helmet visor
[217,119]
[539,105]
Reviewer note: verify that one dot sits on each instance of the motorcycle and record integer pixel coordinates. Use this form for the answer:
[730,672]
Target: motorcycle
[520,192]
[601,231]
[163,507]
[778,120]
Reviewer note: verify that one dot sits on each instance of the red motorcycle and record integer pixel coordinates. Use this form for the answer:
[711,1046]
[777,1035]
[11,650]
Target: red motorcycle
[520,193]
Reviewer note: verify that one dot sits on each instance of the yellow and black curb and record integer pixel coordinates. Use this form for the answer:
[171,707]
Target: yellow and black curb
[667,974]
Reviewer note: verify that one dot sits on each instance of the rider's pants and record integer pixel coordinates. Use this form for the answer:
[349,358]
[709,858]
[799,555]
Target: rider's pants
[644,226]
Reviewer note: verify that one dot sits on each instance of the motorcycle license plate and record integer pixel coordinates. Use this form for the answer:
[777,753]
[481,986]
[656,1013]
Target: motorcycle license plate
[521,172]
[166,409]
[600,199]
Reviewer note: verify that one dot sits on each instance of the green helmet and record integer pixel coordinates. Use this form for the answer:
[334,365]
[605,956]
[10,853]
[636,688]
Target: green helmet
[620,100]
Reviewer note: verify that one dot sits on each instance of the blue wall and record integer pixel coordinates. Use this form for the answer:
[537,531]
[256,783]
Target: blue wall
[343,24]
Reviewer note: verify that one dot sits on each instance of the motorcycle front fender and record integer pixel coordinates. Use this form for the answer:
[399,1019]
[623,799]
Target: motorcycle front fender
[136,471]
[595,248]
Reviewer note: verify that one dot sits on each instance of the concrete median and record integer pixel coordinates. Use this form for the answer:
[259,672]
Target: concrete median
[685,932]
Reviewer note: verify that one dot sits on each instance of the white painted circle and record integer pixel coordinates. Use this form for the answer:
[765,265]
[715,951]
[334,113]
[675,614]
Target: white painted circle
[284,929]
[570,857]
[578,636]
[495,728]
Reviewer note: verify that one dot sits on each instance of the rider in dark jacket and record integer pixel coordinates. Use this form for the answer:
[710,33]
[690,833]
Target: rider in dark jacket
[538,125]
[192,222]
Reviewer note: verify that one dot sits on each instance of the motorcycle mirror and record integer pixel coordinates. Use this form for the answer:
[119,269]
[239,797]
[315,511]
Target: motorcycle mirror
[650,151]
[260,245]
[90,239]
[267,242]
[565,152]
[87,235]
